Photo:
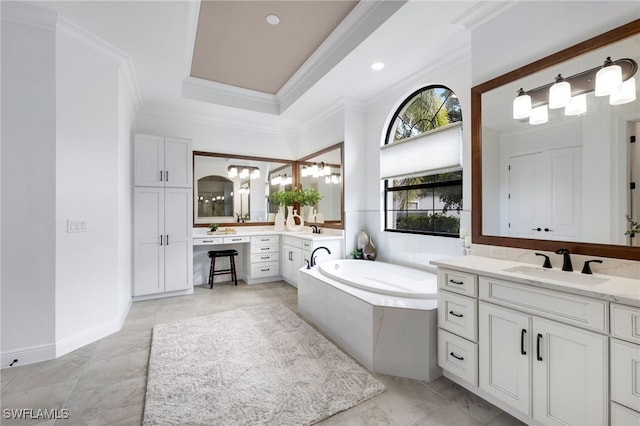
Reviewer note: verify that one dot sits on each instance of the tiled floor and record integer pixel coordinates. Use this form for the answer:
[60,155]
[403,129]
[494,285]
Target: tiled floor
[104,383]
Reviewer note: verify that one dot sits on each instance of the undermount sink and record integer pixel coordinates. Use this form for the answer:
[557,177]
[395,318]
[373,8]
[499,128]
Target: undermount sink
[552,274]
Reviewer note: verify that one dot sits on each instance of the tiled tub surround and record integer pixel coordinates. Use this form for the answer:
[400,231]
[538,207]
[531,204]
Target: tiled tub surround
[557,350]
[388,334]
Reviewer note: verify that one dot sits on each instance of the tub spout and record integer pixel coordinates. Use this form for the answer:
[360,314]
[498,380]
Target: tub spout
[313,257]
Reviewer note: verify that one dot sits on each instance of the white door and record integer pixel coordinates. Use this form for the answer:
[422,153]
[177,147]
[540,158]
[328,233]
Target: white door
[148,241]
[570,378]
[505,355]
[545,194]
[148,160]
[178,264]
[178,163]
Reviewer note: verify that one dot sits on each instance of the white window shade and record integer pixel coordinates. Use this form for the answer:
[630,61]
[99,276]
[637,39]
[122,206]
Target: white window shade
[436,151]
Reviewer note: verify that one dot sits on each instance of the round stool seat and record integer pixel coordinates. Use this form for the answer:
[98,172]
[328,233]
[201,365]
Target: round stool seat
[223,253]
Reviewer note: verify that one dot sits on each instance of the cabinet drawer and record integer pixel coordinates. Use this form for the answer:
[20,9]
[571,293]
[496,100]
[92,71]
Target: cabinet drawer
[458,314]
[264,270]
[458,356]
[568,308]
[292,241]
[207,241]
[231,240]
[459,282]
[265,257]
[622,416]
[264,248]
[265,239]
[625,323]
[625,373]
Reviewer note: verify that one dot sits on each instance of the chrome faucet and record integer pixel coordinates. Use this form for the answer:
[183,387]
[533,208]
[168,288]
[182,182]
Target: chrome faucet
[315,228]
[313,258]
[566,264]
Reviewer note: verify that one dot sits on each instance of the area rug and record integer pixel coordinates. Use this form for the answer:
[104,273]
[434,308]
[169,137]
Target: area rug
[259,365]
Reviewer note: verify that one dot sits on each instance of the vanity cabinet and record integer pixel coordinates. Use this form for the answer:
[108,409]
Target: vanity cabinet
[162,246]
[162,161]
[296,252]
[263,259]
[625,365]
[538,353]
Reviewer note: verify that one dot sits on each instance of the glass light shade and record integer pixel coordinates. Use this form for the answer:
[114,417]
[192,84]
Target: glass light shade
[539,115]
[625,94]
[608,80]
[559,94]
[233,172]
[244,174]
[521,107]
[577,105]
[255,174]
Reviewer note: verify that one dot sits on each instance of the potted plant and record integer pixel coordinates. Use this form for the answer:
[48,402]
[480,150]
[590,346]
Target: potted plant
[213,227]
[310,197]
[281,198]
[634,227]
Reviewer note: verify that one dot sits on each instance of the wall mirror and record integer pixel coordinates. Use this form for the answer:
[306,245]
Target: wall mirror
[322,171]
[567,181]
[233,189]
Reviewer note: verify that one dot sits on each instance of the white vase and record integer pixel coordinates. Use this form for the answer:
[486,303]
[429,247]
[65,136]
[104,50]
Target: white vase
[363,239]
[279,220]
[311,214]
[291,221]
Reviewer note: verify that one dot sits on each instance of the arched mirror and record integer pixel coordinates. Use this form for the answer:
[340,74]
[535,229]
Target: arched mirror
[565,179]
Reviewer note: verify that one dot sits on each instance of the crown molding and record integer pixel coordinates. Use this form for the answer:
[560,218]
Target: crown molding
[216,121]
[77,34]
[224,94]
[36,17]
[482,12]
[360,23]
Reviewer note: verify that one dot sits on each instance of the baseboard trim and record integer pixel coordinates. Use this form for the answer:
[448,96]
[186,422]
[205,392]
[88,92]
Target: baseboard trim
[83,338]
[28,355]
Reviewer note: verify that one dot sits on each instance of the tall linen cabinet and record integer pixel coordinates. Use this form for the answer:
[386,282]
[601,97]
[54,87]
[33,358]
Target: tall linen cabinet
[162,216]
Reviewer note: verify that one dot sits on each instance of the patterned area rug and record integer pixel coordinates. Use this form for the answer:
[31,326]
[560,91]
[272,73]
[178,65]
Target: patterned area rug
[260,365]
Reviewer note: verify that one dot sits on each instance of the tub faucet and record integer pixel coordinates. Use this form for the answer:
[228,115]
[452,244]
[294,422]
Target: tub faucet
[566,264]
[315,228]
[313,258]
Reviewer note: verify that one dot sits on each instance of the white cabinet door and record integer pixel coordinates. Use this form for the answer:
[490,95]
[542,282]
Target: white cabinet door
[148,158]
[291,258]
[162,162]
[178,248]
[504,355]
[569,375]
[177,163]
[148,241]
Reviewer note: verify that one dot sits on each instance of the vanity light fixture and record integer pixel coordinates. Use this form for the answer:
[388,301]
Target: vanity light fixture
[243,172]
[281,180]
[559,93]
[614,78]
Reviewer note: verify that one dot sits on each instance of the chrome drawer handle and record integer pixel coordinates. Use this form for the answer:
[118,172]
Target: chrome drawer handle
[265,270]
[456,282]
[207,241]
[460,358]
[456,314]
[264,257]
[264,248]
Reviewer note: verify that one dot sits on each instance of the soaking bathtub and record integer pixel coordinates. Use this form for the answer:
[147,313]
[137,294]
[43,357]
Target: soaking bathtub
[385,315]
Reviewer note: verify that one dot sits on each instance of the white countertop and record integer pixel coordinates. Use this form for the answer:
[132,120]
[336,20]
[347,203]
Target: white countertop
[614,289]
[327,234]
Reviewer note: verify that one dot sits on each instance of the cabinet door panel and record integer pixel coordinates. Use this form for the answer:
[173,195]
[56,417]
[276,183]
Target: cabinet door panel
[148,158]
[178,246]
[148,253]
[569,375]
[504,355]
[177,163]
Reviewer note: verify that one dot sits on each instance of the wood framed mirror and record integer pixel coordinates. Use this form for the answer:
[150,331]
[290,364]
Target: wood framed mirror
[599,163]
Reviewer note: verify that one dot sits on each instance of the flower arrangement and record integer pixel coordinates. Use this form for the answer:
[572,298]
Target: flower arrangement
[309,197]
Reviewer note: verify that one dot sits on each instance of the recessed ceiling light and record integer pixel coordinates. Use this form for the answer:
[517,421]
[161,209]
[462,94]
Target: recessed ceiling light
[273,19]
[377,66]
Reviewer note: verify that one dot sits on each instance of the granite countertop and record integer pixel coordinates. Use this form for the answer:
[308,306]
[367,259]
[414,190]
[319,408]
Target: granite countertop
[604,287]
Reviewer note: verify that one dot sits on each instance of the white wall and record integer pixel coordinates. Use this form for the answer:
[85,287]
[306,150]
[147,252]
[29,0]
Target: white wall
[86,189]
[28,187]
[220,137]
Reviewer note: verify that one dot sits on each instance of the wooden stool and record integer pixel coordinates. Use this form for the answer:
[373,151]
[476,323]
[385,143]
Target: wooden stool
[213,254]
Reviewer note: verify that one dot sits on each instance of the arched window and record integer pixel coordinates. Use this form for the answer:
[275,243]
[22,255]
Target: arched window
[421,163]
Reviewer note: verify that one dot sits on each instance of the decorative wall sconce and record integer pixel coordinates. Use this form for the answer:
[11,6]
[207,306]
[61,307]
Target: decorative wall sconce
[243,172]
[316,170]
[282,180]
[614,79]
